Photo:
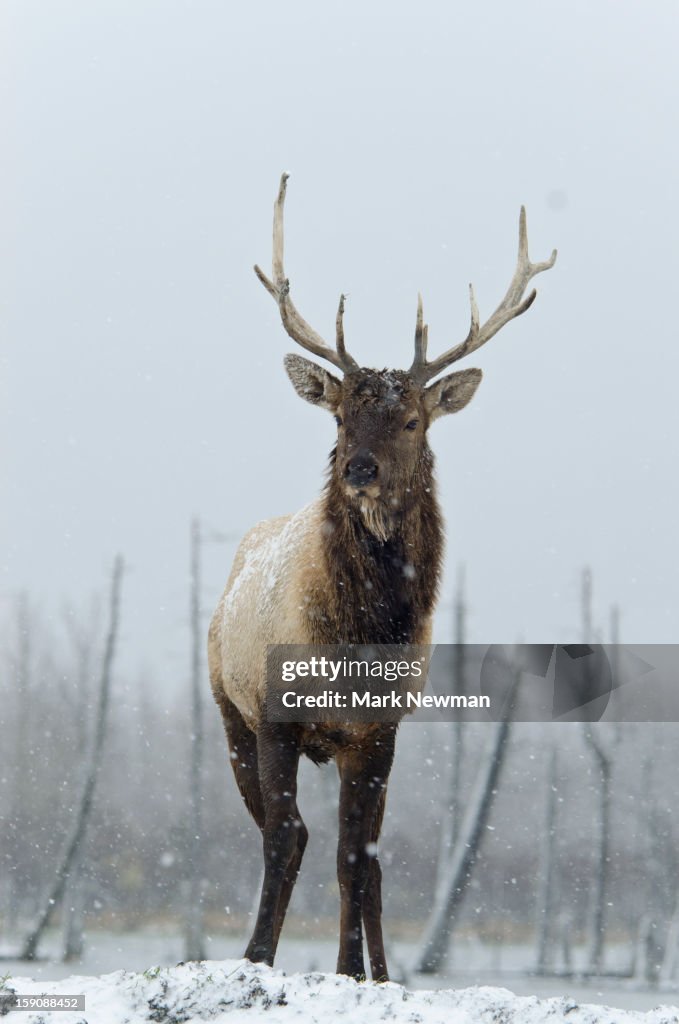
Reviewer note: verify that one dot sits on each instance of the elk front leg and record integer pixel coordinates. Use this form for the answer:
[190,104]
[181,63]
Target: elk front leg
[372,904]
[278,759]
[364,774]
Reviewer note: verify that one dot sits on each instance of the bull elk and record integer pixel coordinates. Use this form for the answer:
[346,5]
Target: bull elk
[361,564]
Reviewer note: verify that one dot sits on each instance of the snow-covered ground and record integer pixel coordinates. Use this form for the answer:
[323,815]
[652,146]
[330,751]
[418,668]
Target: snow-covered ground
[474,967]
[472,963]
[234,991]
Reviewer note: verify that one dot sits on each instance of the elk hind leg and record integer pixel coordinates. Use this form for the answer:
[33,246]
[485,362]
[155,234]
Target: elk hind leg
[283,833]
[290,877]
[243,753]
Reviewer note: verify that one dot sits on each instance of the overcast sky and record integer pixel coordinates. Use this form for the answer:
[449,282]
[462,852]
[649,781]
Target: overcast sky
[141,377]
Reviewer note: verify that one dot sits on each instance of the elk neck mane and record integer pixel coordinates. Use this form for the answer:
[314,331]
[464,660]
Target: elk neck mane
[382,589]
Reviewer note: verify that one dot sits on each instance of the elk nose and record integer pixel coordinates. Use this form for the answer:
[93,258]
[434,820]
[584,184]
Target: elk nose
[361,470]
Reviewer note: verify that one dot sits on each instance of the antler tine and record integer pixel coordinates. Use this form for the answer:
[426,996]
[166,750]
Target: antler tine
[420,360]
[512,305]
[339,330]
[296,326]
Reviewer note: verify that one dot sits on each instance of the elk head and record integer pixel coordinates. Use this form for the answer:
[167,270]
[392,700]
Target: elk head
[383,416]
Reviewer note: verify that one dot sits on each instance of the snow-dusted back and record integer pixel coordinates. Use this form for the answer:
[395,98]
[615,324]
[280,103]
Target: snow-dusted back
[264,603]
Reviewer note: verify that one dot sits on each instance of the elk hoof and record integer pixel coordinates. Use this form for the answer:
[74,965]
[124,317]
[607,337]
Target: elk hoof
[259,955]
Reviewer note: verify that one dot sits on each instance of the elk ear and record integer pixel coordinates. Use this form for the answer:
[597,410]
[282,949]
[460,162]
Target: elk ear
[313,383]
[451,393]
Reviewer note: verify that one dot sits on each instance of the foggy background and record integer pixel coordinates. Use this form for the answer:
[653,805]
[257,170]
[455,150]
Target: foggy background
[141,377]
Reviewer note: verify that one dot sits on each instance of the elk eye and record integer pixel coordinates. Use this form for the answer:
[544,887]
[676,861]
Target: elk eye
[411,425]
[338,421]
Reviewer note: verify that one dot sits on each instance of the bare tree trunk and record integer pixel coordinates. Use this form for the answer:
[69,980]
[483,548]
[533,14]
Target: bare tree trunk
[74,899]
[434,945]
[586,598]
[649,952]
[450,820]
[565,926]
[653,952]
[194,942]
[668,968]
[21,767]
[600,886]
[545,924]
[603,757]
[74,909]
[78,832]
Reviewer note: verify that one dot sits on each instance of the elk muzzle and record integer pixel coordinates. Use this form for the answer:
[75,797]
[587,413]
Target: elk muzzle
[361,470]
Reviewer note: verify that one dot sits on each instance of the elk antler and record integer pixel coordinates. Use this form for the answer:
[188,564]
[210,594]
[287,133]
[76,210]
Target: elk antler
[296,325]
[512,305]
